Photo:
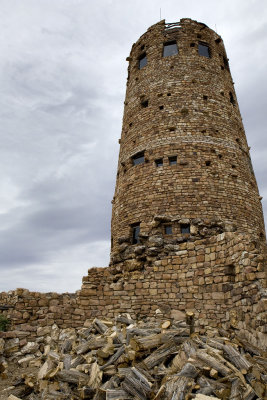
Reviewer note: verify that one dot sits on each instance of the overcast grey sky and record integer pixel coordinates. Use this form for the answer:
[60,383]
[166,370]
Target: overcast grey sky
[62,78]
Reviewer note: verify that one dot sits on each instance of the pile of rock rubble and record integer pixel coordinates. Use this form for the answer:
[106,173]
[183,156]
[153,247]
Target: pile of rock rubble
[133,360]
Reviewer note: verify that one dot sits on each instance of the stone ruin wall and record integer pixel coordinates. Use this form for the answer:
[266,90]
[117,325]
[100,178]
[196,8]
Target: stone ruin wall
[225,286]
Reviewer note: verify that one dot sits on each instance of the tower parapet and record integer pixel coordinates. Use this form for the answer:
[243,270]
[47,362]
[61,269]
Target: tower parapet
[184,170]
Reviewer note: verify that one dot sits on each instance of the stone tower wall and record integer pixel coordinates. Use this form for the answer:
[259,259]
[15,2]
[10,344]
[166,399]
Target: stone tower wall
[183,105]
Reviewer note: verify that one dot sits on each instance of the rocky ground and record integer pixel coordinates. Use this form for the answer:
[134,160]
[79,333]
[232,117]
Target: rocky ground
[127,360]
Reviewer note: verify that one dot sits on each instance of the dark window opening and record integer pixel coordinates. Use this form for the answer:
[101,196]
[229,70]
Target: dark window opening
[139,158]
[159,162]
[192,44]
[169,94]
[203,131]
[207,163]
[233,166]
[135,233]
[237,141]
[205,97]
[170,49]
[172,128]
[222,93]
[161,107]
[222,67]
[142,47]
[232,100]
[144,103]
[203,50]
[142,61]
[230,270]
[199,36]
[130,124]
[185,228]
[220,156]
[168,230]
[173,160]
[225,62]
[218,40]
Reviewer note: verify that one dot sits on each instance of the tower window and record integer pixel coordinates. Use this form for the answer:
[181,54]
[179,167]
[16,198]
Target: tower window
[225,62]
[138,158]
[159,162]
[135,233]
[185,228]
[232,100]
[203,50]
[173,160]
[144,103]
[170,49]
[161,107]
[168,230]
[205,97]
[142,61]
[207,163]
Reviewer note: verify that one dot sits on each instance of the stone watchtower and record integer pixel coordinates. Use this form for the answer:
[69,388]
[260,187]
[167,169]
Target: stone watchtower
[184,168]
[187,222]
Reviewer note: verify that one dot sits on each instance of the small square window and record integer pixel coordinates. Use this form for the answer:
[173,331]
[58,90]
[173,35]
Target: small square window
[138,158]
[142,61]
[173,160]
[168,230]
[185,228]
[144,103]
[232,100]
[170,49]
[135,233]
[203,50]
[159,162]
[161,107]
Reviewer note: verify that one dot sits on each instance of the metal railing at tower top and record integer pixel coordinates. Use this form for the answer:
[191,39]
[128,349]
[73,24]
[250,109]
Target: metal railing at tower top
[172,25]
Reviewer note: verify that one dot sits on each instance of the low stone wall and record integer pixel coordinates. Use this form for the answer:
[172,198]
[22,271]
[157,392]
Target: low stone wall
[221,279]
[28,311]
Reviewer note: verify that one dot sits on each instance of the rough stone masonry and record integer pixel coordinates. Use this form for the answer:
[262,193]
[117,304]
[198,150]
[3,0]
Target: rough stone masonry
[187,223]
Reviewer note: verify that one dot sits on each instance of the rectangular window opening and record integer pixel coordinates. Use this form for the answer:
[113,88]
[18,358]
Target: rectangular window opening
[203,50]
[159,162]
[135,233]
[139,158]
[144,103]
[142,61]
[185,228]
[225,62]
[168,230]
[173,160]
[232,100]
[170,49]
